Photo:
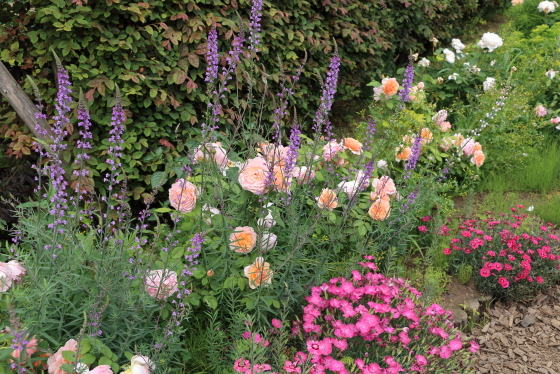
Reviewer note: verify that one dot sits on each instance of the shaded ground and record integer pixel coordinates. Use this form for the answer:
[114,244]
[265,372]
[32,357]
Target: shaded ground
[521,337]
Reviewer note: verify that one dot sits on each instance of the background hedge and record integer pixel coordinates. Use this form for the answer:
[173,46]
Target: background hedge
[155,52]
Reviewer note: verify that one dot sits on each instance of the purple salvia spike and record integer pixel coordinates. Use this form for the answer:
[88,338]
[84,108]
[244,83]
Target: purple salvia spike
[407,82]
[255,25]
[414,155]
[321,116]
[212,56]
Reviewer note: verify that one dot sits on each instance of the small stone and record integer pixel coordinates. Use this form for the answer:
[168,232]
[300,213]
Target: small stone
[471,304]
[459,316]
[528,320]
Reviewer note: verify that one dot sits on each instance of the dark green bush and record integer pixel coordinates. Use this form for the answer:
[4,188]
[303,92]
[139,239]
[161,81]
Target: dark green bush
[155,52]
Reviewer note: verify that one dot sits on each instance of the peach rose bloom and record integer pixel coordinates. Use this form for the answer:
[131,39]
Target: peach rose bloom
[259,273]
[244,240]
[212,151]
[426,135]
[331,149]
[18,271]
[101,369]
[303,175]
[478,158]
[55,361]
[353,145]
[30,348]
[327,199]
[385,186]
[253,175]
[380,209]
[408,140]
[403,155]
[477,147]
[445,126]
[281,181]
[182,195]
[390,86]
[164,281]
[274,153]
[458,139]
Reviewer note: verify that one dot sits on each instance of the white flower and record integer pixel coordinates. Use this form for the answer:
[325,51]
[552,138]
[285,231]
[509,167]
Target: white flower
[489,83]
[267,221]
[457,45]
[531,208]
[491,41]
[453,77]
[424,62]
[352,187]
[492,62]
[550,73]
[382,164]
[209,211]
[449,56]
[546,7]
[268,241]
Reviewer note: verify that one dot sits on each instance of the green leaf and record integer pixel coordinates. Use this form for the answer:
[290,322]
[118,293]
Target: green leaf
[87,359]
[69,356]
[158,178]
[153,92]
[85,346]
[163,210]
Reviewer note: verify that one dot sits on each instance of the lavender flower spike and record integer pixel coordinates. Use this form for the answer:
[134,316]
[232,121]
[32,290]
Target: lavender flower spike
[255,25]
[327,98]
[407,82]
[414,155]
[212,56]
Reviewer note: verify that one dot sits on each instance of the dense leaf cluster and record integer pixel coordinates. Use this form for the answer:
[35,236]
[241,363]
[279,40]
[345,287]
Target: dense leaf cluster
[155,52]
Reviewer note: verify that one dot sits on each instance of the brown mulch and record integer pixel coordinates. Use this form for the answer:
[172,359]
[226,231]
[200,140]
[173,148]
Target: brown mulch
[521,337]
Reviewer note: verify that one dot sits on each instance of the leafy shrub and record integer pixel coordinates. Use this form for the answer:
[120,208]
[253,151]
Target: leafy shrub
[371,324]
[155,53]
[512,257]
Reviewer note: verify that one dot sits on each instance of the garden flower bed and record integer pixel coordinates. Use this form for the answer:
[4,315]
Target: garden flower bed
[263,248]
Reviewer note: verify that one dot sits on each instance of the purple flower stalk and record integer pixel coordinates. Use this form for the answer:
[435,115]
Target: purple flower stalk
[414,155]
[212,56]
[190,258]
[407,82]
[83,144]
[293,150]
[370,134]
[321,116]
[255,25]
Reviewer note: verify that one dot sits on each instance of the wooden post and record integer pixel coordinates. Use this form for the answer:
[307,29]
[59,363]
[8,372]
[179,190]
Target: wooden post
[22,104]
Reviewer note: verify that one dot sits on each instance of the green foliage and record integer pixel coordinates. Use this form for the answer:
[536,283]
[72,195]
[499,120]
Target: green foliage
[465,273]
[525,17]
[156,53]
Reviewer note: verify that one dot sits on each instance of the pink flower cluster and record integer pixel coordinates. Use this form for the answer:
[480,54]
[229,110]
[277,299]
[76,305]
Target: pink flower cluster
[10,272]
[377,321]
[505,253]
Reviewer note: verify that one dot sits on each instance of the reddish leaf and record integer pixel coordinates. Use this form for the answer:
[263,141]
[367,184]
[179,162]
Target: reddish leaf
[166,144]
[163,25]
[89,94]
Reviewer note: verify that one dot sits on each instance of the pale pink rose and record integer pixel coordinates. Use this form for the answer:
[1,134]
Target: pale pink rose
[55,361]
[540,111]
[445,126]
[212,151]
[243,240]
[6,277]
[101,369]
[555,120]
[253,175]
[439,117]
[420,85]
[182,195]
[161,284]
[385,186]
[18,271]
[446,143]
[467,145]
[354,186]
[331,149]
[268,241]
[303,175]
